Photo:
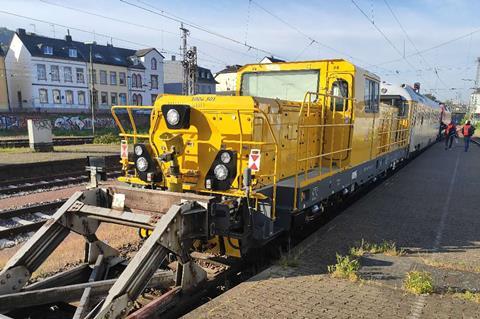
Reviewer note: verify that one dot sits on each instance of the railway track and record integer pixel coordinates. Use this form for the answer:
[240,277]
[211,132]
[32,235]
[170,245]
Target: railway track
[57,141]
[36,183]
[15,222]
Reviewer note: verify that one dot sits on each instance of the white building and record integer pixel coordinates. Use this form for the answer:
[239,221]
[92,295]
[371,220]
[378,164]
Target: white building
[152,61]
[475,102]
[227,80]
[53,74]
[46,73]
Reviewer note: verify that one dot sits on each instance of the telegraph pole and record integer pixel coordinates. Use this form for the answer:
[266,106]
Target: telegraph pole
[189,63]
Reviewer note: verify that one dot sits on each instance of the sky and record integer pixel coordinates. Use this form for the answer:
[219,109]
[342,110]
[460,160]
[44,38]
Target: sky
[434,42]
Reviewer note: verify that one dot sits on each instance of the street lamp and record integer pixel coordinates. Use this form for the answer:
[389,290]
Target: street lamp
[92,86]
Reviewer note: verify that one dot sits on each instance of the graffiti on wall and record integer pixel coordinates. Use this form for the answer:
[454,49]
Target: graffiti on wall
[78,123]
[65,122]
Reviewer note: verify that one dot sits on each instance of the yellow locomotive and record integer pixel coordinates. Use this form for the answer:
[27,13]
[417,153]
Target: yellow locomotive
[273,156]
[225,174]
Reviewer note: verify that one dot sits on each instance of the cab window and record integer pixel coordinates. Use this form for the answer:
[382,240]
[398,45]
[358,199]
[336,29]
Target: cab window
[372,96]
[339,97]
[284,85]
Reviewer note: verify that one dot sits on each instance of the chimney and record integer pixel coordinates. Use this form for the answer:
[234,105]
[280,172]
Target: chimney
[68,37]
[174,58]
[416,87]
[21,31]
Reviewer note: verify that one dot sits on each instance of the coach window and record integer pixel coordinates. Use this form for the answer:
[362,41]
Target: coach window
[372,96]
[339,96]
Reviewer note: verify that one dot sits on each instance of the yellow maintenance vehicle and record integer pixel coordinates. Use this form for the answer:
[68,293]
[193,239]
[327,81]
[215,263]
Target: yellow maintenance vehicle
[224,174]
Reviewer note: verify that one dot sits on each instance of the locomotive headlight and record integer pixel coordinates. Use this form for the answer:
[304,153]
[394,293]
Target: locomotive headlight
[138,150]
[142,164]
[221,172]
[173,117]
[225,157]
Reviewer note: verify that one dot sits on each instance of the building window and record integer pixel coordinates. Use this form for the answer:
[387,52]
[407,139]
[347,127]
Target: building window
[123,98]
[113,78]
[55,72]
[67,73]
[81,97]
[208,75]
[72,53]
[47,50]
[57,98]
[80,76]
[134,80]
[121,78]
[113,98]
[154,98]
[103,77]
[41,72]
[69,97]
[134,99]
[154,82]
[154,64]
[139,81]
[43,96]
[139,100]
[104,98]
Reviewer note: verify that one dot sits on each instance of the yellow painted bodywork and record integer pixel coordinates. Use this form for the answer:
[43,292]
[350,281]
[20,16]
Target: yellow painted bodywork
[294,138]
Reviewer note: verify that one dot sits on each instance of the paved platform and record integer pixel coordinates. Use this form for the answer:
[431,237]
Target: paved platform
[430,208]
[25,155]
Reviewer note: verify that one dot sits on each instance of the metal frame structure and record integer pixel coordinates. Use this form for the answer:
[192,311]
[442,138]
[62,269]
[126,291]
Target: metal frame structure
[176,220]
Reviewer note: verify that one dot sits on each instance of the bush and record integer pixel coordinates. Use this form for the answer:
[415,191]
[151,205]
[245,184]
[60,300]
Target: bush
[109,138]
[346,267]
[418,282]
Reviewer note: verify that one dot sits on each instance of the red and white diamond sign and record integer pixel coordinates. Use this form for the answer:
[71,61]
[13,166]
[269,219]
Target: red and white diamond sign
[124,150]
[254,160]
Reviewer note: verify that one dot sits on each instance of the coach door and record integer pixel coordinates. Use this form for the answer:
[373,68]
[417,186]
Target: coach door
[339,111]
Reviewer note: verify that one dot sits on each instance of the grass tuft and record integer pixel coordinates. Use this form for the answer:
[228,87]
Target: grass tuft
[109,138]
[468,295]
[388,248]
[346,267]
[418,282]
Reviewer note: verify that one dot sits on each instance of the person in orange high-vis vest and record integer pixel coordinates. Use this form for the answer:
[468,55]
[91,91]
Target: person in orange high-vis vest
[467,132]
[450,133]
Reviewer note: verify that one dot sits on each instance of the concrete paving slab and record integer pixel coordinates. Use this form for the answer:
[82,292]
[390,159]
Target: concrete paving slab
[430,208]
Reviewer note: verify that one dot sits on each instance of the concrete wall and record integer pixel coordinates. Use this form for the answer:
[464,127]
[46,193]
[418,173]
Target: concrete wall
[19,74]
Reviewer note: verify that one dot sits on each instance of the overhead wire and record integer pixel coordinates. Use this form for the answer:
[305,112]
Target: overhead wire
[138,25]
[110,37]
[383,35]
[412,43]
[166,15]
[313,40]
[439,45]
